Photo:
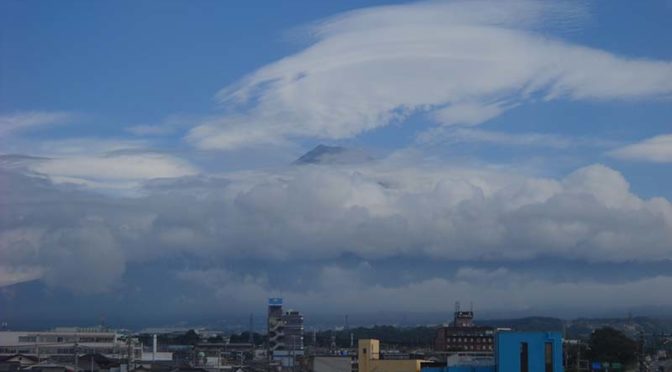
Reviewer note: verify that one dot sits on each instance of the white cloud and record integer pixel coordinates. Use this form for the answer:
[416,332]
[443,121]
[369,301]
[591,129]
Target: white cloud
[657,149]
[466,114]
[169,125]
[378,210]
[463,62]
[10,275]
[10,123]
[103,164]
[442,135]
[124,167]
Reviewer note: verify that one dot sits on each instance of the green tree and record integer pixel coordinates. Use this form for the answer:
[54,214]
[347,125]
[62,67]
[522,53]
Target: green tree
[611,345]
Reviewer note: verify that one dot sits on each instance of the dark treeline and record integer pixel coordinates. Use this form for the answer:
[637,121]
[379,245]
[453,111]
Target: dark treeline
[390,335]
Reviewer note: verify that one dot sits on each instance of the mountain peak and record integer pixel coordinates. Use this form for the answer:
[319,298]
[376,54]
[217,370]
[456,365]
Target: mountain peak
[323,154]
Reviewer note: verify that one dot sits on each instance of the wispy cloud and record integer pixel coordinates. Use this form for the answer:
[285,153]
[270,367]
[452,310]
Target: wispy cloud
[113,167]
[10,275]
[12,123]
[461,62]
[450,135]
[657,149]
[117,165]
[169,125]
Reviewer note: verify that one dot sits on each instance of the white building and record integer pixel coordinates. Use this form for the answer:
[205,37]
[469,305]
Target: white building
[62,342]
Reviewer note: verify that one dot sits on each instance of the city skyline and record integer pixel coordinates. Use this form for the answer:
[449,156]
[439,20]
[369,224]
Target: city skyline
[351,157]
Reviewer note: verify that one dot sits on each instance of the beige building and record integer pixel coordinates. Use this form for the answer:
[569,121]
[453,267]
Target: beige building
[332,364]
[369,360]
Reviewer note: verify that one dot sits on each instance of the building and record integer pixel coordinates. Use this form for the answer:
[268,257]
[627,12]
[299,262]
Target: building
[285,333]
[66,342]
[463,336]
[20,360]
[331,364]
[293,330]
[528,352]
[275,325]
[369,359]
[518,352]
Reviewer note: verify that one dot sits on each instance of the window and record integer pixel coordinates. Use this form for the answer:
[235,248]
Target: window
[548,356]
[524,357]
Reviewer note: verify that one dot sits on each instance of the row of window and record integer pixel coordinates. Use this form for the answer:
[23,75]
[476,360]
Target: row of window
[68,339]
[53,351]
[474,347]
[469,339]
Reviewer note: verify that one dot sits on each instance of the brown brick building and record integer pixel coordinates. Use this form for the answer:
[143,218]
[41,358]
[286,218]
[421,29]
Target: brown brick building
[463,336]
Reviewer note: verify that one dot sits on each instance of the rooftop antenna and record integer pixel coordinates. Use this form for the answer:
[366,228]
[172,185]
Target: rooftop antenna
[251,335]
[333,342]
[457,307]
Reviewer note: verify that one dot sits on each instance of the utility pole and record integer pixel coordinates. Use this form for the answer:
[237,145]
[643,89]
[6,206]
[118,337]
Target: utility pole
[251,329]
[314,337]
[128,352]
[640,354]
[76,357]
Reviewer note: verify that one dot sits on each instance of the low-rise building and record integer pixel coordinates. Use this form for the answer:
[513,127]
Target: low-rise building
[369,359]
[66,342]
[518,352]
[332,364]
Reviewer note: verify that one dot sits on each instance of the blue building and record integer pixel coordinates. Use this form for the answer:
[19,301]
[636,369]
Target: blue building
[528,352]
[519,352]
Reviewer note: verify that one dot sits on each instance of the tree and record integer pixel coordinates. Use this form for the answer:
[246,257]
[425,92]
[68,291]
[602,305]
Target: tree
[189,338]
[611,345]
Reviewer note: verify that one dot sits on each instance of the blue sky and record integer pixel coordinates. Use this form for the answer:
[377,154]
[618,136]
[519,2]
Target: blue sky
[160,136]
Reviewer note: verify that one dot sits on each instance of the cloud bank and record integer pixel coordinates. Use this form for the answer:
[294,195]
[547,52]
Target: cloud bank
[498,290]
[374,211]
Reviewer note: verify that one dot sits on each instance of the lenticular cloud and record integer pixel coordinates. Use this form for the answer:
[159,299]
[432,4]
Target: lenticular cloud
[460,62]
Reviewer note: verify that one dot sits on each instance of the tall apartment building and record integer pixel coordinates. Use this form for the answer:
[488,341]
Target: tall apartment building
[285,333]
[275,325]
[293,332]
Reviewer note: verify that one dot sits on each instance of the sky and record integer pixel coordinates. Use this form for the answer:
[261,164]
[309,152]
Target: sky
[511,154]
